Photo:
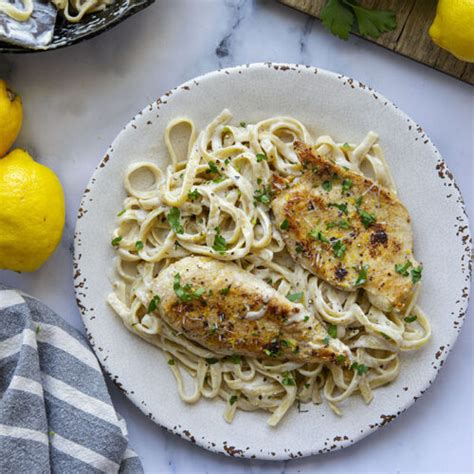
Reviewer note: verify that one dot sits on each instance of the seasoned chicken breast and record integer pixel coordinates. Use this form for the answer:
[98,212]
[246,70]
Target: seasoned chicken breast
[347,230]
[230,311]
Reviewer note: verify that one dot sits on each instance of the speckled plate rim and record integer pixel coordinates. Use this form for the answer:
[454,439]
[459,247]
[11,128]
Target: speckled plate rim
[462,233]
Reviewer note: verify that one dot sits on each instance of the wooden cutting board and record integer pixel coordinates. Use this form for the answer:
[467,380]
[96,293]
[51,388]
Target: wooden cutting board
[410,38]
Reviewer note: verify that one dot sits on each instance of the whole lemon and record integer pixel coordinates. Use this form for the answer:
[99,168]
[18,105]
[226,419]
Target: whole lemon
[31,212]
[11,117]
[453,28]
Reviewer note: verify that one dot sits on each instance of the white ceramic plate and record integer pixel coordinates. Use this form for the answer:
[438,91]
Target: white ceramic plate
[326,103]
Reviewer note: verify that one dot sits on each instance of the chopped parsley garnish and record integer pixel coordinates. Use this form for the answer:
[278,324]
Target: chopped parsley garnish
[306,319]
[358,202]
[362,276]
[402,268]
[416,274]
[199,292]
[193,195]
[342,207]
[213,329]
[339,249]
[243,124]
[220,244]
[174,220]
[171,362]
[346,185]
[117,240]
[346,147]
[139,245]
[287,379]
[318,235]
[326,341]
[295,296]
[261,157]
[327,186]
[299,248]
[233,399]
[121,213]
[332,330]
[411,318]
[263,195]
[360,368]
[212,167]
[291,344]
[284,225]
[340,358]
[273,348]
[340,224]
[219,179]
[38,329]
[234,358]
[186,293]
[212,360]
[155,301]
[366,218]
[224,291]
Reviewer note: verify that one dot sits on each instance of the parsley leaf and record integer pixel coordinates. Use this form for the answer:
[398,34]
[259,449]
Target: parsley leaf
[174,220]
[261,157]
[326,341]
[153,304]
[410,319]
[233,399]
[361,368]
[306,319]
[220,244]
[171,362]
[318,235]
[340,358]
[416,274]
[224,291]
[193,195]
[366,218]
[285,225]
[139,245]
[342,207]
[243,124]
[337,18]
[116,241]
[121,213]
[372,22]
[234,358]
[402,269]
[212,360]
[339,249]
[362,276]
[327,186]
[295,296]
[263,195]
[346,185]
[212,167]
[332,330]
[287,379]
[341,224]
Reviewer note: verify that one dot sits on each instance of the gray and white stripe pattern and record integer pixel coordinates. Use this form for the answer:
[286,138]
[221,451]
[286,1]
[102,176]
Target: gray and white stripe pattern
[55,411]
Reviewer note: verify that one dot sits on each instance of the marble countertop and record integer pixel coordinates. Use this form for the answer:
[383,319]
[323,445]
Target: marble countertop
[77,99]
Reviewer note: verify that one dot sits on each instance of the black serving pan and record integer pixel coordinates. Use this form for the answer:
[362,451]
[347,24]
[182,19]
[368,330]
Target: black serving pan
[66,34]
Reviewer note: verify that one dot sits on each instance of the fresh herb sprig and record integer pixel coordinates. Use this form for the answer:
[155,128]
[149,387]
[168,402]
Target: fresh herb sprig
[341,17]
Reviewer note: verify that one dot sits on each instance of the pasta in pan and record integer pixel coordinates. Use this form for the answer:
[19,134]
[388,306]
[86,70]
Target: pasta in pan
[184,213]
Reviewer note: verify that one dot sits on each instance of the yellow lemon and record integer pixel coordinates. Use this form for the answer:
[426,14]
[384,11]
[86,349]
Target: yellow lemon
[453,28]
[11,116]
[31,212]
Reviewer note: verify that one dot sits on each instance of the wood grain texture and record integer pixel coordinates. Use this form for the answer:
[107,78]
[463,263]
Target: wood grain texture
[410,38]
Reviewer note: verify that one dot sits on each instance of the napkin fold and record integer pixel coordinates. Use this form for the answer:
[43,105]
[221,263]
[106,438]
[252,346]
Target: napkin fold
[56,414]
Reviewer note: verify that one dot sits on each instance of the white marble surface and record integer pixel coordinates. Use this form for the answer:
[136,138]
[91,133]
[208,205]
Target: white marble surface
[76,101]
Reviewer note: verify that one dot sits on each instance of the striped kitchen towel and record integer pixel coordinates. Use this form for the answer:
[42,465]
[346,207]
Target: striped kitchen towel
[55,411]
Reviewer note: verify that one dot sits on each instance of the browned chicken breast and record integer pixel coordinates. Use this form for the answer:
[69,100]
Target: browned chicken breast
[347,230]
[230,311]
